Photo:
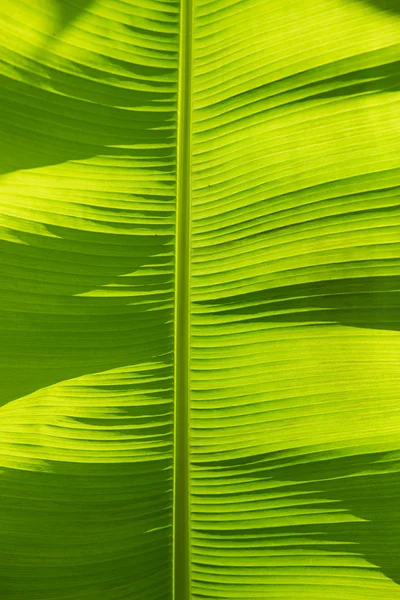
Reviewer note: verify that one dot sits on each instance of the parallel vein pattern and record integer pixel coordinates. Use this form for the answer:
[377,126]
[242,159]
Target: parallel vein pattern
[295,294]
[294,287]
[88,175]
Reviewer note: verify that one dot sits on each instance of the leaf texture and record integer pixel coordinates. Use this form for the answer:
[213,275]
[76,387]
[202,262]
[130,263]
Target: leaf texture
[291,158]
[88,163]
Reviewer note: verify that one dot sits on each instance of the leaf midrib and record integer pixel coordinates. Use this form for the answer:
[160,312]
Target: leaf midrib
[181,550]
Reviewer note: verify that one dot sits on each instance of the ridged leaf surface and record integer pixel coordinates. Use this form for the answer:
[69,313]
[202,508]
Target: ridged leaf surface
[203,250]
[295,421]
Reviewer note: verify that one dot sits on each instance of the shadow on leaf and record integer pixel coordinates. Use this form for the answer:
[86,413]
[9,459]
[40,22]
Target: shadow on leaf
[366,486]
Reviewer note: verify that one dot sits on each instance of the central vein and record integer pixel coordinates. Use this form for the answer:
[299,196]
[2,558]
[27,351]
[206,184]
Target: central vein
[182,312]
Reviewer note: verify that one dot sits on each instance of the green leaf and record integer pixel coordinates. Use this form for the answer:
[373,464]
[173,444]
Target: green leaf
[200,284]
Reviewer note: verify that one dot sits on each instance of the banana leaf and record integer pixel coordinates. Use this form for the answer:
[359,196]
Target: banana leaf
[200,296]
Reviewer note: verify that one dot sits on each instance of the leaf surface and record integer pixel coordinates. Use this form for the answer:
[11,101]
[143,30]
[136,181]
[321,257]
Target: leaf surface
[200,287]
